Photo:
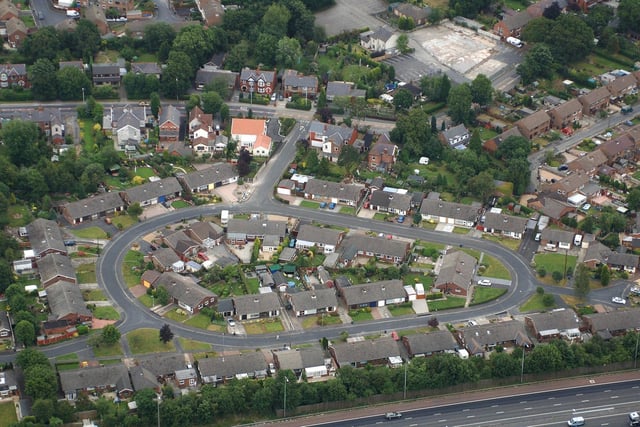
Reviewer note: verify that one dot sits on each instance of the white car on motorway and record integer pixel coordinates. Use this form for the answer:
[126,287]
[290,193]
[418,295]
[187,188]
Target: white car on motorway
[618,300]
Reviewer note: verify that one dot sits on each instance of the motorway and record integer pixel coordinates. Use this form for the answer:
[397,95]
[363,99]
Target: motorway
[599,405]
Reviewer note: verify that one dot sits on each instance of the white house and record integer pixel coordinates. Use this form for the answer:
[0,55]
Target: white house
[246,132]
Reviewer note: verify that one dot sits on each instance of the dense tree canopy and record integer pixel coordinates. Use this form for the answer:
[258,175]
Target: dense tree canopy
[629,15]
[459,103]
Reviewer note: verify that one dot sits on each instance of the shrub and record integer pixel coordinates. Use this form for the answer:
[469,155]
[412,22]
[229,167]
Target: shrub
[548,300]
[542,272]
[540,290]
[557,276]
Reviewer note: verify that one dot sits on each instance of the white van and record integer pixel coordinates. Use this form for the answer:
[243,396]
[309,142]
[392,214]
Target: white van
[577,241]
[575,421]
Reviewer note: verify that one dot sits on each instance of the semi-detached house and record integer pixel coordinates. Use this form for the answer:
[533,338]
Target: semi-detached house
[326,239]
[457,214]
[334,192]
[208,179]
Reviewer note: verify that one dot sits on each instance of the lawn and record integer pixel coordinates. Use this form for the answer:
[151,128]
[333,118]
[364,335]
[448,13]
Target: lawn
[413,278]
[495,268]
[379,216]
[176,314]
[512,244]
[8,413]
[309,204]
[67,357]
[253,285]
[143,341]
[86,135]
[92,232]
[132,268]
[263,327]
[554,262]
[460,230]
[348,210]
[534,303]
[86,273]
[193,345]
[94,295]
[505,188]
[104,350]
[401,309]
[485,294]
[199,321]
[123,222]
[146,300]
[486,134]
[145,172]
[450,302]
[106,313]
[360,315]
[180,204]
[226,289]
[18,215]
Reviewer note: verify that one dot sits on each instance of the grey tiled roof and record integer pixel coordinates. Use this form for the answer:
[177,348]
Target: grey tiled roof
[361,352]
[328,189]
[104,202]
[299,358]
[56,265]
[389,200]
[449,210]
[229,366]
[256,303]
[378,245]
[217,173]
[153,190]
[66,298]
[374,291]
[95,377]
[325,236]
[255,227]
[433,342]
[560,319]
[183,288]
[503,222]
[458,268]
[557,236]
[476,337]
[612,321]
[45,235]
[313,300]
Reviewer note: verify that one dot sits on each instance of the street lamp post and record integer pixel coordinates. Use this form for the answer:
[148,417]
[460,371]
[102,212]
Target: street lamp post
[635,357]
[83,95]
[284,406]
[177,89]
[158,405]
[404,394]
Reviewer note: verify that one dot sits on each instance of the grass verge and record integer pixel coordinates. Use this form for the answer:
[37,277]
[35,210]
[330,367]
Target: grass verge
[143,341]
[90,233]
[485,294]
[446,304]
[193,345]
[106,313]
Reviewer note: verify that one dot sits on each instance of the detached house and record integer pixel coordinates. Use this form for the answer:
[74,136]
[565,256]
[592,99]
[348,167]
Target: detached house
[594,101]
[251,134]
[127,125]
[185,292]
[147,69]
[200,124]
[337,89]
[623,262]
[210,73]
[8,10]
[218,370]
[382,155]
[241,231]
[512,24]
[257,81]
[379,40]
[534,125]
[105,74]
[14,75]
[618,148]
[418,15]
[457,214]
[307,361]
[206,233]
[333,192]
[506,225]
[153,192]
[392,202]
[325,239]
[357,354]
[298,84]
[374,294]
[212,12]
[560,238]
[182,244]
[566,114]
[313,302]
[208,179]
[93,207]
[456,273]
[456,137]
[328,139]
[169,124]
[257,306]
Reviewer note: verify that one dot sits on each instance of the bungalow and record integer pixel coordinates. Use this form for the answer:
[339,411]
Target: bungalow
[296,84]
[257,81]
[182,244]
[534,125]
[208,74]
[8,382]
[164,259]
[328,139]
[418,15]
[480,339]
[259,306]
[610,323]
[392,202]
[623,262]
[141,379]
[153,192]
[512,24]
[100,379]
[552,237]
[326,239]
[317,301]
[595,100]
[54,268]
[379,40]
[457,214]
[307,361]
[456,273]
[334,192]
[147,69]
[208,179]
[170,120]
[218,370]
[554,209]
[596,255]
[383,351]
[241,231]
[246,131]
[422,345]
[45,238]
[383,249]
[374,294]
[457,137]
[185,292]
[205,233]
[557,323]
[93,207]
[622,86]
[382,156]
[14,75]
[568,185]
[507,225]
[566,114]
[164,367]
[337,89]
[105,74]
[66,303]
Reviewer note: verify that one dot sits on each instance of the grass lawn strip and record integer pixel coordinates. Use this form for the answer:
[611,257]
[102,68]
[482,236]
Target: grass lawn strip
[94,295]
[122,222]
[131,268]
[103,350]
[450,302]
[512,244]
[90,233]
[193,345]
[401,309]
[106,313]
[263,327]
[309,204]
[199,321]
[554,262]
[495,268]
[144,341]
[86,273]
[534,303]
[485,294]
[8,413]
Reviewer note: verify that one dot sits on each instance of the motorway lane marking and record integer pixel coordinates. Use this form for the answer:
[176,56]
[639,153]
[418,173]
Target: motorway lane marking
[442,421]
[635,386]
[584,401]
[528,409]
[579,394]
[494,406]
[557,404]
[471,416]
[586,411]
[499,412]
[607,391]
[614,397]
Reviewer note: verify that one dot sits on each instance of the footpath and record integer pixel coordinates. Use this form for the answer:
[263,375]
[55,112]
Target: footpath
[464,397]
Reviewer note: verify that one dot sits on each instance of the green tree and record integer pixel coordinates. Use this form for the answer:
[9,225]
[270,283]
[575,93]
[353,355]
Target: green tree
[157,33]
[154,101]
[42,76]
[70,82]
[605,276]
[475,143]
[25,333]
[275,21]
[482,185]
[238,56]
[402,44]
[459,102]
[43,410]
[211,102]
[548,300]
[40,382]
[30,357]
[177,75]
[434,125]
[403,99]
[166,334]
[514,147]
[196,42]
[436,88]
[504,365]
[42,44]
[581,282]
[570,39]
[481,90]
[629,15]
[544,358]
[288,52]
[88,39]
[110,335]
[537,30]
[599,17]
[633,198]
[349,158]
[22,141]
[162,295]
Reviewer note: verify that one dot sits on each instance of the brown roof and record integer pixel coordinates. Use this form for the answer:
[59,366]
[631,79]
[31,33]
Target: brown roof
[594,96]
[533,121]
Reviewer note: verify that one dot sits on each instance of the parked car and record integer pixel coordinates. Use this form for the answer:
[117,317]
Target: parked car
[231,322]
[392,415]
[635,290]
[332,205]
[618,300]
[323,205]
[400,219]
[274,97]
[484,282]
[538,236]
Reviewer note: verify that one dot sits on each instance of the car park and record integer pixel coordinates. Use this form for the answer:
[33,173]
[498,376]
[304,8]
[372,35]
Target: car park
[392,415]
[484,282]
[618,300]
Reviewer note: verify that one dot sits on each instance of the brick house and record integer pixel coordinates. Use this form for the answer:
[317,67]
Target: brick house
[294,83]
[382,155]
[14,75]
[566,114]
[257,81]
[534,125]
[594,101]
[512,24]
[169,124]
[456,274]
